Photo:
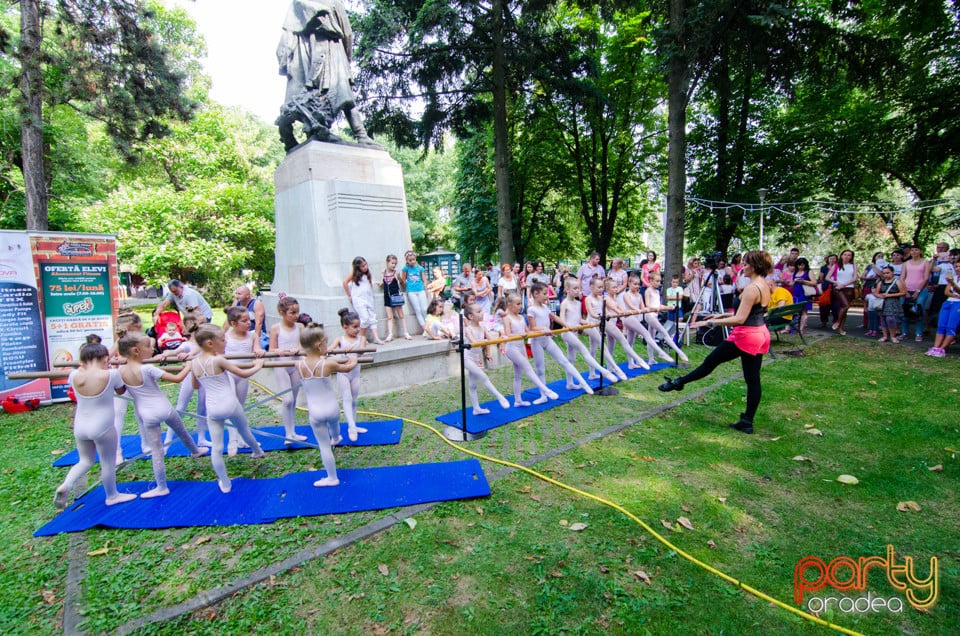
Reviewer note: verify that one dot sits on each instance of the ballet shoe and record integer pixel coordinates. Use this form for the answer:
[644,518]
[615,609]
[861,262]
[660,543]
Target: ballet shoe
[743,425]
[225,487]
[552,394]
[683,357]
[481,411]
[232,448]
[379,342]
[336,441]
[298,438]
[200,453]
[119,457]
[632,365]
[326,481]
[388,339]
[353,433]
[155,492]
[60,498]
[593,376]
[407,336]
[123,497]
[520,403]
[504,403]
[609,377]
[202,441]
[571,386]
[587,388]
[619,373]
[543,399]
[671,384]
[242,444]
[258,454]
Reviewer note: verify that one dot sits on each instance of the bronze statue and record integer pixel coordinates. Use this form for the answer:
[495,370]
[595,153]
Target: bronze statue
[314,54]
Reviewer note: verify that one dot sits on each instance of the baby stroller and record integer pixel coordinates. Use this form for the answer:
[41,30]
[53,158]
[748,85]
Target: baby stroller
[160,327]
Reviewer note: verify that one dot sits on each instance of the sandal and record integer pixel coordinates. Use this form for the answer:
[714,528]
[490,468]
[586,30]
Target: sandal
[884,339]
[895,340]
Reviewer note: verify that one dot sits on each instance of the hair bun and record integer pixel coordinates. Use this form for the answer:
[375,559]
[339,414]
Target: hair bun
[343,311]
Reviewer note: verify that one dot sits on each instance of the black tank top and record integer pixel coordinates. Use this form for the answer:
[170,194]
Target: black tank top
[757,312]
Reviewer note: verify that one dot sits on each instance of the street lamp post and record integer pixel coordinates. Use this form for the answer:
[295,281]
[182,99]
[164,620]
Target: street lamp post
[762,192]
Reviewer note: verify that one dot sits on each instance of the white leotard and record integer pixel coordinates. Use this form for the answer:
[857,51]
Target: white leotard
[94,415]
[221,398]
[288,340]
[241,345]
[322,404]
[476,354]
[518,327]
[571,314]
[345,345]
[149,401]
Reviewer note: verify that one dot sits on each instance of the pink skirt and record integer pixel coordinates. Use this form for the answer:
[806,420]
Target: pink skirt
[752,340]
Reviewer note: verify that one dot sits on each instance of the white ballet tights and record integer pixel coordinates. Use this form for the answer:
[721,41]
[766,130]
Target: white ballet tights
[614,332]
[634,326]
[521,366]
[287,377]
[594,334]
[654,323]
[106,446]
[476,376]
[574,347]
[546,344]
[321,430]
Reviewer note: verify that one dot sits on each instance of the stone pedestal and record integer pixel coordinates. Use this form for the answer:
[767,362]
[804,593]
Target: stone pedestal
[333,203]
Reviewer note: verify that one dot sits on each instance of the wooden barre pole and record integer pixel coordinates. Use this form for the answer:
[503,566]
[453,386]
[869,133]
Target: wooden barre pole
[484,343]
[268,364]
[30,375]
[230,356]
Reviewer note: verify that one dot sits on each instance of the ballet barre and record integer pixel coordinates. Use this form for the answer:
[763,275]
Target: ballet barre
[62,373]
[529,334]
[230,356]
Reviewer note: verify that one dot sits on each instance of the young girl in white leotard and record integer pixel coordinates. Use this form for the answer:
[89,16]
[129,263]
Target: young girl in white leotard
[285,340]
[515,325]
[152,406]
[593,303]
[359,287]
[614,311]
[191,322]
[324,410]
[632,301]
[540,319]
[349,382]
[209,371]
[653,318]
[240,340]
[571,313]
[94,386]
[474,331]
[126,323]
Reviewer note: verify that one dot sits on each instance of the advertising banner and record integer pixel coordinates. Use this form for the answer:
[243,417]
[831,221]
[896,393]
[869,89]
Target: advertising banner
[78,282]
[21,329]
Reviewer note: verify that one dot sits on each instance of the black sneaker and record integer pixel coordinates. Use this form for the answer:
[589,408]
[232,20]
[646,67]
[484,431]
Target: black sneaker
[671,384]
[743,426]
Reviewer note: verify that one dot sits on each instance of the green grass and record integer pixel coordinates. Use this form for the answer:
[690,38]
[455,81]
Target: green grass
[509,563]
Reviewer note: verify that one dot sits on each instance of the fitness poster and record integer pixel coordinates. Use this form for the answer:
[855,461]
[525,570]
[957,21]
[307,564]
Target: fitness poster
[21,329]
[77,303]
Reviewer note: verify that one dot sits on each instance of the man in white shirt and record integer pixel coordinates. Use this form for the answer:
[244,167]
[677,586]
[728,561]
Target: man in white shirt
[186,299]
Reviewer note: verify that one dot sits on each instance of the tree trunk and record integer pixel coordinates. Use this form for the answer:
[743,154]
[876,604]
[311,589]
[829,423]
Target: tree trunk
[677,87]
[501,150]
[31,127]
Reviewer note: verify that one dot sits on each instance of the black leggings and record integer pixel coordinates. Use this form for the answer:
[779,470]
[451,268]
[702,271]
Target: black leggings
[751,364]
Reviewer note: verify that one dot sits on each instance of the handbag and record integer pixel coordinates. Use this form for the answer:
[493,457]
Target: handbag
[823,300]
[874,303]
[397,300]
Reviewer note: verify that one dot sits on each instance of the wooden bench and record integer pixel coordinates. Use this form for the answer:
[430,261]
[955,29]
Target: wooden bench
[779,318]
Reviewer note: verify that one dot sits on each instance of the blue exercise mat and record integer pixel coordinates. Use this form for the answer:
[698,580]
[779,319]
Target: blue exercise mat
[379,433]
[255,501]
[499,416]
